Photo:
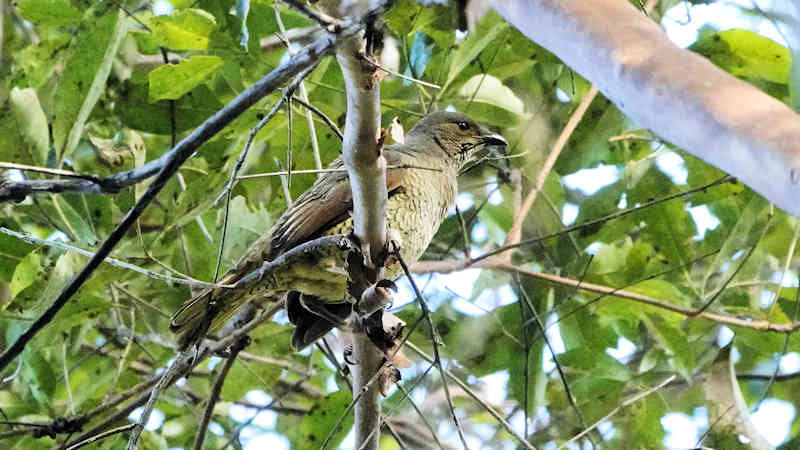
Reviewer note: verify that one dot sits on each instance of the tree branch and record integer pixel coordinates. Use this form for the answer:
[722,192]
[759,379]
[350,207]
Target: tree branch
[728,412]
[447,266]
[681,96]
[366,168]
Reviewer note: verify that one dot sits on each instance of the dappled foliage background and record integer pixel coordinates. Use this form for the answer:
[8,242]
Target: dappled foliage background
[113,335]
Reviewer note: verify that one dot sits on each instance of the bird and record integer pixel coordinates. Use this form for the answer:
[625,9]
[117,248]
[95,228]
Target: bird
[422,186]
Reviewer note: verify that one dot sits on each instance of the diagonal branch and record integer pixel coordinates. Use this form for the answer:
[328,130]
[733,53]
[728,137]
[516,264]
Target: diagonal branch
[216,391]
[625,403]
[515,232]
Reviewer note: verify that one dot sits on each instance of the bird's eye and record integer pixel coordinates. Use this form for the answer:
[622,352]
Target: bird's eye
[463,126]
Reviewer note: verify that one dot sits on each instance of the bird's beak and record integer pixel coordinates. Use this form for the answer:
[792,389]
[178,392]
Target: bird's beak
[494,139]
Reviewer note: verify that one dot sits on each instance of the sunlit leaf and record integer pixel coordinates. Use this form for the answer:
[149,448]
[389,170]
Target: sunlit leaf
[26,272]
[314,427]
[83,60]
[488,89]
[49,12]
[747,54]
[170,82]
[188,29]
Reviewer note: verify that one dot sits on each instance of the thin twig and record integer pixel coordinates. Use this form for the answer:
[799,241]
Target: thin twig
[125,352]
[181,275]
[465,387]
[163,382]
[326,350]
[356,397]
[326,21]
[789,257]
[764,325]
[315,171]
[392,432]
[322,116]
[542,330]
[226,192]
[625,403]
[603,219]
[515,232]
[188,360]
[49,171]
[271,405]
[454,265]
[312,131]
[67,388]
[435,341]
[287,195]
[464,234]
[197,219]
[400,75]
[199,357]
[744,260]
[216,390]
[113,261]
[425,421]
[101,436]
[283,364]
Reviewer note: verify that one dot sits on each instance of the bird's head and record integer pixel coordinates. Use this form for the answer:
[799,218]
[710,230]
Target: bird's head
[451,135]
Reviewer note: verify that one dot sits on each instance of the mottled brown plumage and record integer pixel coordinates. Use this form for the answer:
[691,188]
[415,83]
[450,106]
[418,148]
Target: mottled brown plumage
[421,181]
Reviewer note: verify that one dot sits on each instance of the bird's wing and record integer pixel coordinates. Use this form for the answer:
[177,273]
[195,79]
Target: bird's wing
[325,205]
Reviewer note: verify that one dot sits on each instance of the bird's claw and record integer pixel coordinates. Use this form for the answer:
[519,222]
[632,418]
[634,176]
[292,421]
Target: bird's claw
[375,297]
[393,243]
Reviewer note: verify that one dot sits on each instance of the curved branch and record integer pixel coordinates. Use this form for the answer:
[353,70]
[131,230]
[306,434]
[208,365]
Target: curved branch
[681,96]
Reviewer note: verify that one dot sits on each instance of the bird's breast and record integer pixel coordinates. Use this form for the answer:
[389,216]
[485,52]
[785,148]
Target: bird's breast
[417,209]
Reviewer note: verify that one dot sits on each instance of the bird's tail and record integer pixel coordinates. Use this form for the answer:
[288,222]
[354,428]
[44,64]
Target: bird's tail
[202,314]
[313,318]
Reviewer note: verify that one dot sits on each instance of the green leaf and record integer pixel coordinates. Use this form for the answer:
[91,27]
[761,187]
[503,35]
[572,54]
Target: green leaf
[746,54]
[588,145]
[136,110]
[82,307]
[491,27]
[49,12]
[242,374]
[592,387]
[196,199]
[152,441]
[437,21]
[12,251]
[488,89]
[244,227]
[651,360]
[188,29]
[317,424]
[749,227]
[26,273]
[38,375]
[30,122]
[171,82]
[82,63]
[674,342]
[72,222]
[37,62]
